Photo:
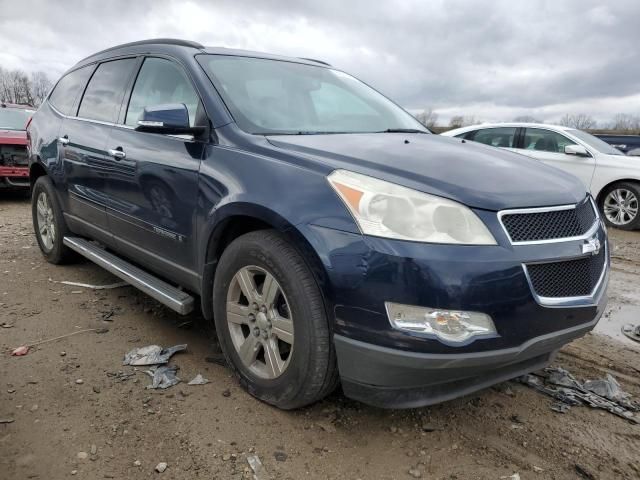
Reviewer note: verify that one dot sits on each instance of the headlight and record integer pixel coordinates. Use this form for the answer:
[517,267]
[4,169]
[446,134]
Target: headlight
[388,210]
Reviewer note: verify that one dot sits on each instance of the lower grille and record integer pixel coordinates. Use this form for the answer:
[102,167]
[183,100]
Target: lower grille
[569,278]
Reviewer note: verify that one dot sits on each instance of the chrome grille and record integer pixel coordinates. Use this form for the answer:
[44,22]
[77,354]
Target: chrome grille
[569,278]
[549,224]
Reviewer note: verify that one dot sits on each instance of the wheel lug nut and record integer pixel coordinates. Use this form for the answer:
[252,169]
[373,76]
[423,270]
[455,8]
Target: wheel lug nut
[252,317]
[256,332]
[263,309]
[265,335]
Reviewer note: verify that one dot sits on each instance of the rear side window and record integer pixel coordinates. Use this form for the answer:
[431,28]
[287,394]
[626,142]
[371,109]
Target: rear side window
[66,91]
[161,82]
[545,140]
[103,96]
[496,137]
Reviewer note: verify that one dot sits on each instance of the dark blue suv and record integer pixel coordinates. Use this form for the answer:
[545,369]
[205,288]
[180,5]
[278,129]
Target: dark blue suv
[329,236]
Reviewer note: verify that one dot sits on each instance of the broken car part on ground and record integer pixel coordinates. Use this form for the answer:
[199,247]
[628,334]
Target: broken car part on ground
[605,393]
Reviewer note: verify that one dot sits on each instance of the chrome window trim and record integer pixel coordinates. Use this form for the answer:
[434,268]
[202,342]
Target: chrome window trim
[579,301]
[72,117]
[589,233]
[183,138]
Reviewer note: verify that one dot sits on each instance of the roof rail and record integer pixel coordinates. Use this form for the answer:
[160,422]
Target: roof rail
[314,60]
[152,41]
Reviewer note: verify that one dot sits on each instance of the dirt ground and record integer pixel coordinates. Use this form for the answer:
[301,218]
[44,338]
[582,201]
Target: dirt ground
[76,414]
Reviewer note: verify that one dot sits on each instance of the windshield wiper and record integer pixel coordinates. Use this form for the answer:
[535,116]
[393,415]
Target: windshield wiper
[403,130]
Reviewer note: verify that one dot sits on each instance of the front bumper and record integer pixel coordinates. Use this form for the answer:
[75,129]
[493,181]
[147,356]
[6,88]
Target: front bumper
[390,378]
[14,177]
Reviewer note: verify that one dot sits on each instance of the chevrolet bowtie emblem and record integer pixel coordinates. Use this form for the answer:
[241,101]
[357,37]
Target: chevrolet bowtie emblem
[591,246]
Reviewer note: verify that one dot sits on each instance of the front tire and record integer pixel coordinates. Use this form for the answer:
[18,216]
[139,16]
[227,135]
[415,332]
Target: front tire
[620,204]
[48,222]
[271,322]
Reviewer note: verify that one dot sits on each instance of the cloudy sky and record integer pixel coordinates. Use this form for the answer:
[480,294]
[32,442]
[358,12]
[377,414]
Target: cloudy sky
[494,59]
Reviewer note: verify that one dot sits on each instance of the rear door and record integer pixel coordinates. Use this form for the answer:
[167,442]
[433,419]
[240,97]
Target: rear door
[548,146]
[153,186]
[84,138]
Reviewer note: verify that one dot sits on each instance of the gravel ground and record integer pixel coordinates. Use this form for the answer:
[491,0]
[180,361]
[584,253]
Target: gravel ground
[75,414]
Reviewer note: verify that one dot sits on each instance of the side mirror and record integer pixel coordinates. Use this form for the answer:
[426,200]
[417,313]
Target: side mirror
[170,119]
[577,150]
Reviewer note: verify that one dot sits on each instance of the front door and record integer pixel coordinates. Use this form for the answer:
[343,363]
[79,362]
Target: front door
[153,182]
[548,146]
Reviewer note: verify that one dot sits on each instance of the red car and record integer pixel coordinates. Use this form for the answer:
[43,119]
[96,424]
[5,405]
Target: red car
[14,163]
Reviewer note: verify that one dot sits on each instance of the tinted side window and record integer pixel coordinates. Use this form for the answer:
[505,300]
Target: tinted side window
[67,89]
[160,82]
[102,98]
[467,135]
[545,140]
[496,137]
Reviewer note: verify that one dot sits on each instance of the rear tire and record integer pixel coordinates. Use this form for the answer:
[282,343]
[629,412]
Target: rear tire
[271,322]
[48,223]
[620,205]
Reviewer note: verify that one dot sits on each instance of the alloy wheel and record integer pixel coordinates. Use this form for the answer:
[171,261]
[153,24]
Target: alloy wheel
[46,224]
[621,206]
[260,322]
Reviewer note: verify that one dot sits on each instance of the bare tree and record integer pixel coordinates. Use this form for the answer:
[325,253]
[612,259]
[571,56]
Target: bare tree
[17,87]
[581,121]
[40,86]
[625,122]
[527,119]
[427,117]
[458,121]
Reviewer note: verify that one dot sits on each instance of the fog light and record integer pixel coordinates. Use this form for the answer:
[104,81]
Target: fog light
[448,325]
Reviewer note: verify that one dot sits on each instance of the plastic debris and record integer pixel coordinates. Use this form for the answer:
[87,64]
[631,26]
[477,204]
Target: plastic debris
[608,388]
[161,467]
[92,287]
[631,331]
[604,394]
[163,376]
[20,351]
[151,355]
[259,472]
[198,380]
[515,476]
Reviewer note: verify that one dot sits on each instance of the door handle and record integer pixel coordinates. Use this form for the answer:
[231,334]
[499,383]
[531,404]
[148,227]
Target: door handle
[117,153]
[64,140]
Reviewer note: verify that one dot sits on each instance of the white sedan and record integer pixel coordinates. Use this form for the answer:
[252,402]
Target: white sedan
[612,177]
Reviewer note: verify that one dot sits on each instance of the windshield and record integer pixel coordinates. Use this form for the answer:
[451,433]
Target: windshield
[595,143]
[14,118]
[279,97]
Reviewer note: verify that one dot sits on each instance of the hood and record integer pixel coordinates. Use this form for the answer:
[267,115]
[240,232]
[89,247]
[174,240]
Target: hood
[13,137]
[474,174]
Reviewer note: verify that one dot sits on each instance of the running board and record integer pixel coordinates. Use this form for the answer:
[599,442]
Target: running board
[163,292]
